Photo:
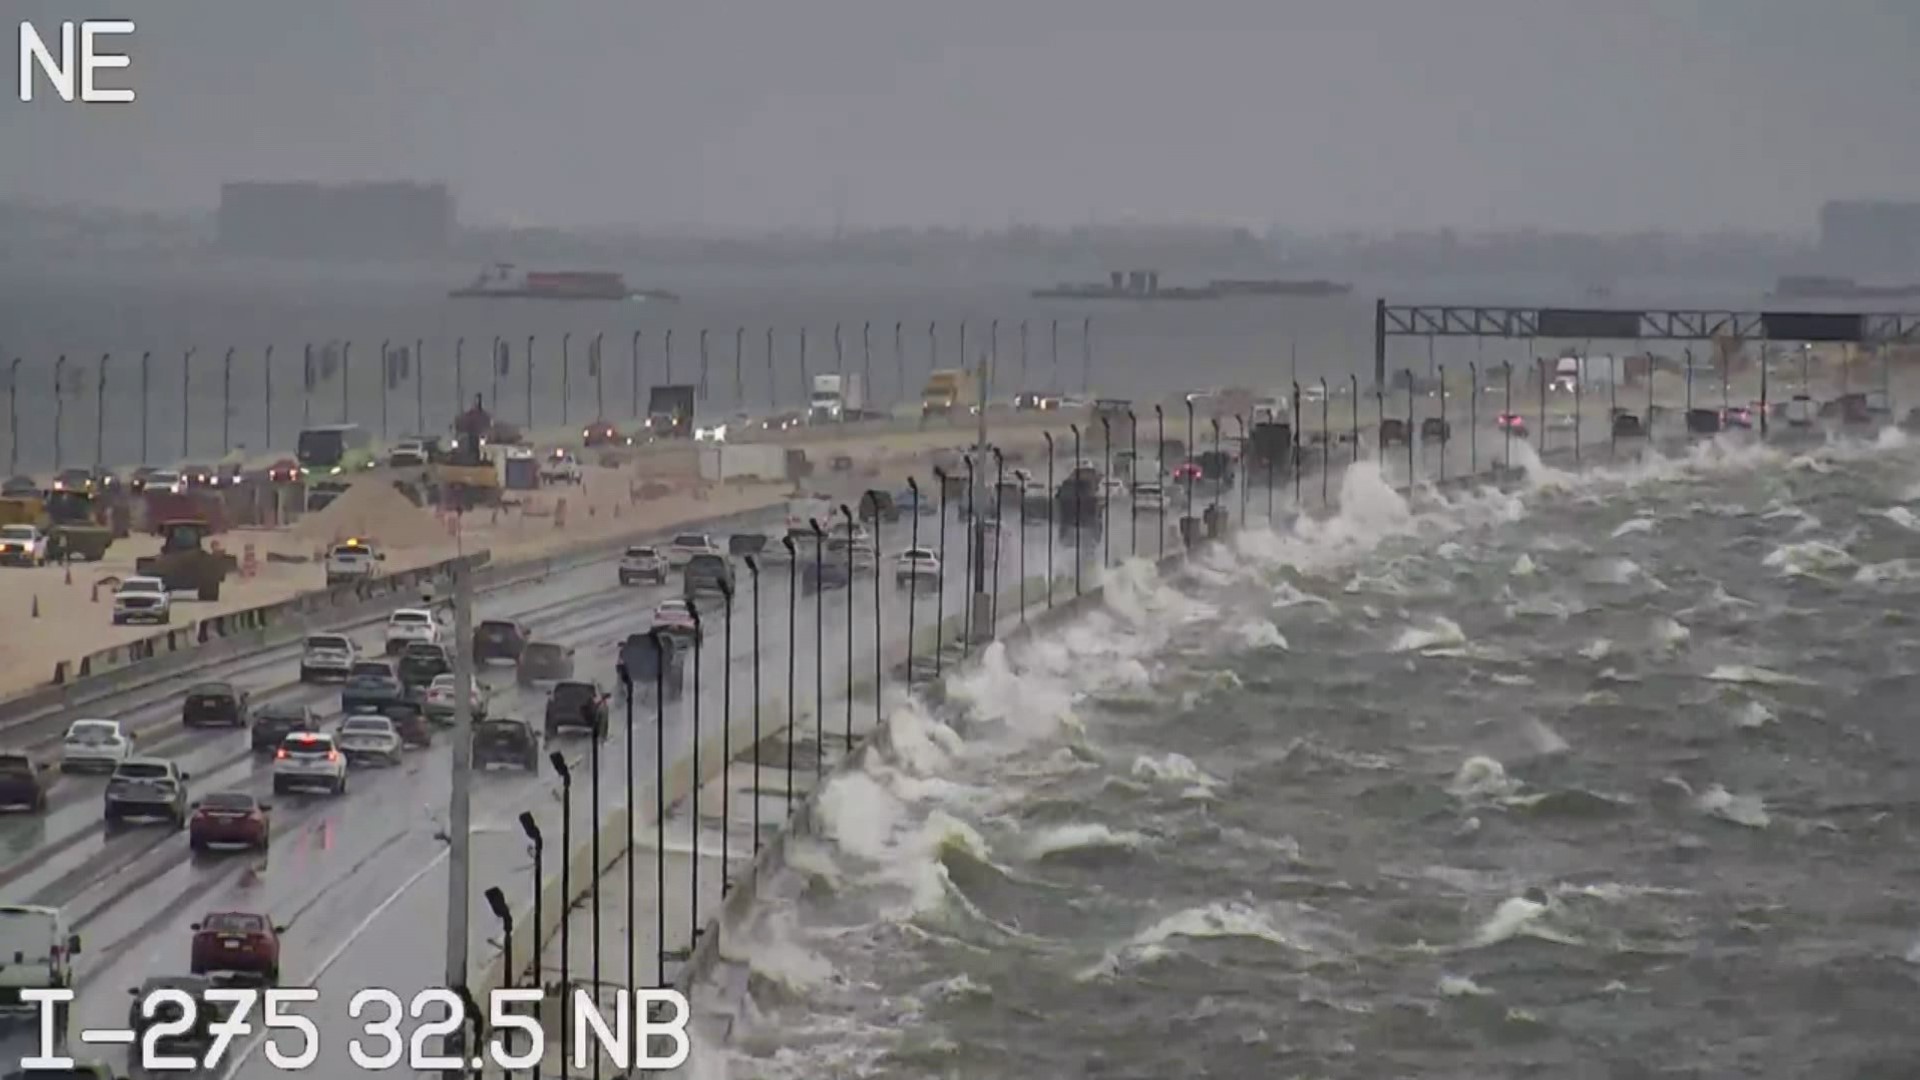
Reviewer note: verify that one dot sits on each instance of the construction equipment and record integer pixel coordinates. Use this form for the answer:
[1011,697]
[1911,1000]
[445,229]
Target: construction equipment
[467,477]
[77,527]
[184,564]
[23,510]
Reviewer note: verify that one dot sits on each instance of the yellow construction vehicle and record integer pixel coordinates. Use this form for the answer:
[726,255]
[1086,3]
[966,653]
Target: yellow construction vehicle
[183,564]
[77,527]
[467,478]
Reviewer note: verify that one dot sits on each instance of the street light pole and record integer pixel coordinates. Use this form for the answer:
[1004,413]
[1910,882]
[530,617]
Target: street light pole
[186,399]
[266,397]
[1133,473]
[226,403]
[460,798]
[1160,464]
[100,413]
[59,408]
[753,569]
[146,361]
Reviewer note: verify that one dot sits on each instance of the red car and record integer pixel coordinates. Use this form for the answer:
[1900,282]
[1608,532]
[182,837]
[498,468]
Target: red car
[1187,471]
[284,471]
[229,817]
[1512,422]
[603,434]
[237,941]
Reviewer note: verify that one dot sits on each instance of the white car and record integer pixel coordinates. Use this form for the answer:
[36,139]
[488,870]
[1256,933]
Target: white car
[327,656]
[309,759]
[687,545]
[676,617]
[560,467]
[440,699]
[352,561]
[142,599]
[916,567]
[408,454]
[409,625]
[369,738]
[1114,488]
[643,563]
[22,545]
[1149,497]
[167,481]
[95,745]
[862,551]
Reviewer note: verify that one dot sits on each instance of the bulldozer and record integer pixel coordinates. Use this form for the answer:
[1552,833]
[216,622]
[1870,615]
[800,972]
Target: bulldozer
[184,564]
[467,478]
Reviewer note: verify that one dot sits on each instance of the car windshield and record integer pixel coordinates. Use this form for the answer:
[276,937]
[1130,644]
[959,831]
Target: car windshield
[641,553]
[16,532]
[544,653]
[442,682]
[916,554]
[234,922]
[92,731]
[228,800]
[352,551]
[416,618]
[691,541]
[15,765]
[671,609]
[211,690]
[500,728]
[307,743]
[142,770]
[572,693]
[327,641]
[367,725]
[707,564]
[496,631]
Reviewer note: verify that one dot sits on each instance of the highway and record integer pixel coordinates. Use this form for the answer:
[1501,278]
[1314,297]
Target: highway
[359,880]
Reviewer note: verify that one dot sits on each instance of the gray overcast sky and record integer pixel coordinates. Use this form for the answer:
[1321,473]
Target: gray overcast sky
[1315,114]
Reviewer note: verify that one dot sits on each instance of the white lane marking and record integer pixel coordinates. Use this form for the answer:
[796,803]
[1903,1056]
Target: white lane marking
[353,936]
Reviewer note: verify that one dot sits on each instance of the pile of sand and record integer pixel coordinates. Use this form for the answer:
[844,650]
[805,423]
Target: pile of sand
[373,510]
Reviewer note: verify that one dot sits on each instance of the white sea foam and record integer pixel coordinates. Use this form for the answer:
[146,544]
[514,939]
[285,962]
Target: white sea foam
[1746,810]
[1063,839]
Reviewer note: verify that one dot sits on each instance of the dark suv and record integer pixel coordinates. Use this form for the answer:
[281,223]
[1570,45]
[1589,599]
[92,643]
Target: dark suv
[577,705]
[707,574]
[499,639]
[214,704]
[24,780]
[506,742]
[276,720]
[420,663]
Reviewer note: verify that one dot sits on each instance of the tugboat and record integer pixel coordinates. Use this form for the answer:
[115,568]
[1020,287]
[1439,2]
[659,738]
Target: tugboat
[503,282]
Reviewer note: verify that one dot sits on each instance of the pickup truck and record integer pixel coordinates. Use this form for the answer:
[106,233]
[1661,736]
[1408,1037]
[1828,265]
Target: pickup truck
[560,467]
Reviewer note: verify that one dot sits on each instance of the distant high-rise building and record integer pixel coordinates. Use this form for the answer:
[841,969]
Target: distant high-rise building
[1870,238]
[344,221]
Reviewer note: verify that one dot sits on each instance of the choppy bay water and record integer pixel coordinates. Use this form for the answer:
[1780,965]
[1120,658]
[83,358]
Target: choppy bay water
[1609,777]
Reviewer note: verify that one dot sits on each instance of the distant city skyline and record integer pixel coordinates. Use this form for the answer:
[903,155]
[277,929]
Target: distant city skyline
[1315,115]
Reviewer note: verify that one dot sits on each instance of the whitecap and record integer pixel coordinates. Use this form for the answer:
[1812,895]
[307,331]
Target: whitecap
[1461,986]
[1481,776]
[1062,839]
[1441,632]
[1748,673]
[1637,525]
[1807,557]
[1523,566]
[1746,810]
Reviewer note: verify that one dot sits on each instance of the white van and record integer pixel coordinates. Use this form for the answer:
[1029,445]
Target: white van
[38,951]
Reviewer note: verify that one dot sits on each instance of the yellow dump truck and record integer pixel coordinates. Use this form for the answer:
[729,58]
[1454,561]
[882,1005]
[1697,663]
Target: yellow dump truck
[948,392]
[74,521]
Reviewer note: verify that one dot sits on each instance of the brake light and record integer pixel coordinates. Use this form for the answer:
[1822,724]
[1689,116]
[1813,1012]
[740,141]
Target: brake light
[333,755]
[282,753]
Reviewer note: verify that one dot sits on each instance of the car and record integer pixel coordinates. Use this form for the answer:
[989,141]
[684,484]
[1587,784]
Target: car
[1627,425]
[409,719]
[1512,423]
[916,567]
[506,742]
[643,563]
[95,746]
[237,942]
[408,454]
[283,471]
[22,545]
[166,482]
[365,737]
[686,546]
[1149,496]
[829,574]
[500,639]
[197,476]
[878,506]
[601,433]
[309,759]
[275,720]
[370,690]
[440,699]
[327,656]
[1736,416]
[707,575]
[544,661]
[373,665]
[560,467]
[230,818]
[422,662]
[217,704]
[1393,430]
[74,479]
[1435,429]
[17,487]
[409,625]
[147,787]
[142,599]
[25,780]
[677,617]
[352,561]
[1189,471]
[573,705]
[1568,421]
[840,549]
[194,1040]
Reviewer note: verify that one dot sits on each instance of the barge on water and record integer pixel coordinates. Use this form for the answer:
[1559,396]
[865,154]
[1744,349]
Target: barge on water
[503,282]
[1145,285]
